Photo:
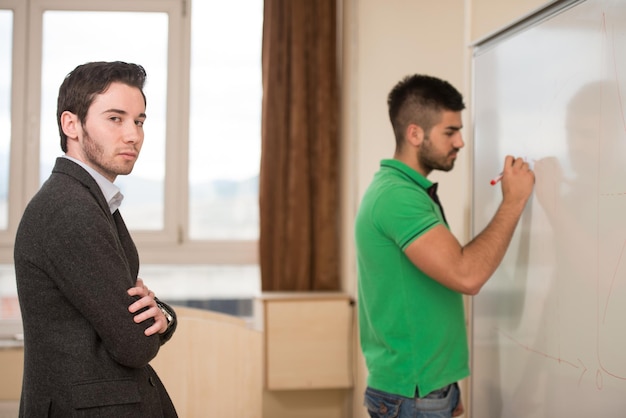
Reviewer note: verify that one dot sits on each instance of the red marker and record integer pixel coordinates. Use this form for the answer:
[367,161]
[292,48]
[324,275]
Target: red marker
[496,179]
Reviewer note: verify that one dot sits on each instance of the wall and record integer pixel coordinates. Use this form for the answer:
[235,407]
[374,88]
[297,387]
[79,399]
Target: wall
[382,42]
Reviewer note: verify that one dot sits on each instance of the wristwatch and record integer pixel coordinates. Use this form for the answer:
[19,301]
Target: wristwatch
[166,313]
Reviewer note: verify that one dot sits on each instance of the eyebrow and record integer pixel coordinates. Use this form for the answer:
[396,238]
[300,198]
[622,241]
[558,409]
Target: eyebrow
[123,112]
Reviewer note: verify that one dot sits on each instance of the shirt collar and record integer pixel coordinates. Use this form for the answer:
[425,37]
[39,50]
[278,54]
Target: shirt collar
[408,172]
[111,192]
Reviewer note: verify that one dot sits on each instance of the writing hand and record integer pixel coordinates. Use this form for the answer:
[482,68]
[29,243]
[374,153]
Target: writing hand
[517,181]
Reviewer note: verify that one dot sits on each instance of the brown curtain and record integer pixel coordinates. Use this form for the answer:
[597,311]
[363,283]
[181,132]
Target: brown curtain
[299,162]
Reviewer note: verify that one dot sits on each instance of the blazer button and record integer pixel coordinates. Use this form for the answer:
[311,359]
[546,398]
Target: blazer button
[151,380]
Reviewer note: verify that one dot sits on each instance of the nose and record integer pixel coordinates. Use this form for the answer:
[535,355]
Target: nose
[458,141]
[132,132]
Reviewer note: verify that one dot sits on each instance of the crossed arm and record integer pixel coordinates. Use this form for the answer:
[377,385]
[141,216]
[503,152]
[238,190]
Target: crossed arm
[148,301]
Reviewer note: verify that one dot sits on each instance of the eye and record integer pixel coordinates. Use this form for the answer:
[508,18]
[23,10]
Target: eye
[115,119]
[139,123]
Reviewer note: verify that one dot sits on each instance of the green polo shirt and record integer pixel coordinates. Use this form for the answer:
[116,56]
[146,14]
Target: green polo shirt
[412,329]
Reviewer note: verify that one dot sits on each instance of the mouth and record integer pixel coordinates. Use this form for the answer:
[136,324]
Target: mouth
[128,155]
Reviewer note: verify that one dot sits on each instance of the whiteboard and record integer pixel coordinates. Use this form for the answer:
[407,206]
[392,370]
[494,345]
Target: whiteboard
[549,328]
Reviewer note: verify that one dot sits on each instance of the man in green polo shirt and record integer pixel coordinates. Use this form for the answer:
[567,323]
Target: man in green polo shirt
[412,272]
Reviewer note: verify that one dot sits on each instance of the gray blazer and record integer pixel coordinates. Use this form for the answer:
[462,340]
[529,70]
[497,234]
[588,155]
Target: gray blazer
[84,356]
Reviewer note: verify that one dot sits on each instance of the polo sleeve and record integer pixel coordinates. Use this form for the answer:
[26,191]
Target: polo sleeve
[406,214]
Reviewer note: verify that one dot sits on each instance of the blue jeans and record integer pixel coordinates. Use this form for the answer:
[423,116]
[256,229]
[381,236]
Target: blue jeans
[437,404]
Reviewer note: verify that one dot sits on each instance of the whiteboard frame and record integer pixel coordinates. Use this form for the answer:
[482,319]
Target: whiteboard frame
[531,19]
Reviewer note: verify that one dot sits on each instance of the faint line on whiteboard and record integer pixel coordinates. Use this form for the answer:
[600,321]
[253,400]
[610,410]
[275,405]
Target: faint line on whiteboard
[541,353]
[608,296]
[616,71]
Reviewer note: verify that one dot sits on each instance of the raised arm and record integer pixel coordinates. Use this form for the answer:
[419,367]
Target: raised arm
[466,269]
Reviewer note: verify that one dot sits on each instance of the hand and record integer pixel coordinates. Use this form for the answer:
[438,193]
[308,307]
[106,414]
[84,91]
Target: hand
[459,410]
[146,300]
[517,180]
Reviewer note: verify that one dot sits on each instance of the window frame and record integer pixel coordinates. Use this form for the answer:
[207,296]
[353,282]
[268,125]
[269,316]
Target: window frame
[172,244]
[16,149]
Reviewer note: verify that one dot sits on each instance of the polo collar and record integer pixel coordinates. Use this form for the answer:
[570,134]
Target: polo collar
[408,172]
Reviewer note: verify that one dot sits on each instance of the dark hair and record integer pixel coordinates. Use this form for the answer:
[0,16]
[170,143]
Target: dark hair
[80,87]
[419,99]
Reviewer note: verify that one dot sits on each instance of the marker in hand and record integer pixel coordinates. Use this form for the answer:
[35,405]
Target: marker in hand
[497,178]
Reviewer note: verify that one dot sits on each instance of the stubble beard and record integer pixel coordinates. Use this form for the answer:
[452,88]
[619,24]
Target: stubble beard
[94,154]
[432,161]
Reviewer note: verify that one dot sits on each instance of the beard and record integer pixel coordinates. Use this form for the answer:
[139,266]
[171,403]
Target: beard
[95,156]
[431,160]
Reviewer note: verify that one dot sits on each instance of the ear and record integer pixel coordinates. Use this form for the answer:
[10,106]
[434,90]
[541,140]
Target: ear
[70,124]
[414,135]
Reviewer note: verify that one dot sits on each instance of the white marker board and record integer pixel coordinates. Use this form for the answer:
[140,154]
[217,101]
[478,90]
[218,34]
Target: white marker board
[549,328]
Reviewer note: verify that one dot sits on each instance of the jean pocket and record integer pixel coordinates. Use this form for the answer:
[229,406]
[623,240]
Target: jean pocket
[441,402]
[381,405]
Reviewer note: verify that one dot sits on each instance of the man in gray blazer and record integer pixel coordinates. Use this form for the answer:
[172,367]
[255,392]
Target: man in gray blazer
[91,326]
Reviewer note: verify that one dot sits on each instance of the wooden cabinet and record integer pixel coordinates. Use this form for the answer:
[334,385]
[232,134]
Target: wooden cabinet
[12,366]
[212,366]
[307,340]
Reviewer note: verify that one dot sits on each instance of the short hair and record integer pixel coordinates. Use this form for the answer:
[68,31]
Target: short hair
[80,87]
[419,99]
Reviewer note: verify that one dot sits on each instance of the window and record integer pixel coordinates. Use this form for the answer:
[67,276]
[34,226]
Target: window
[191,202]
[225,119]
[6,32]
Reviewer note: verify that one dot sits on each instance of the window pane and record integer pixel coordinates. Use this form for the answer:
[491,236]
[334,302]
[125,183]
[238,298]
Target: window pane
[224,288]
[9,305]
[225,119]
[6,40]
[112,36]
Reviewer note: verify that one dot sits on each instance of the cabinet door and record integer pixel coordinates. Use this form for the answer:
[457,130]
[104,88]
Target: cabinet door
[308,343]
